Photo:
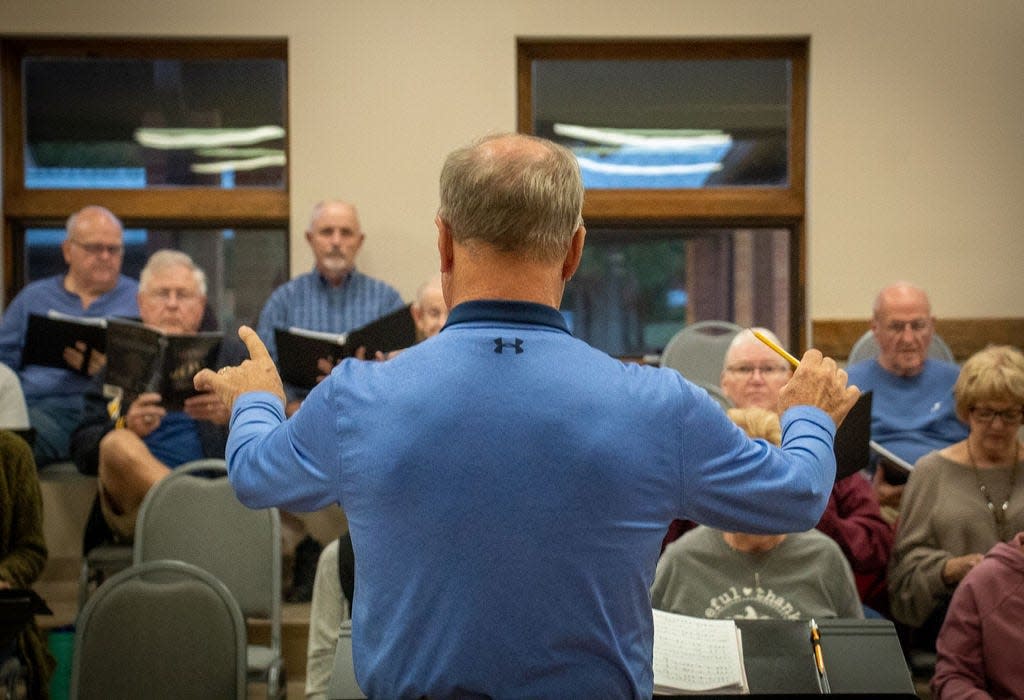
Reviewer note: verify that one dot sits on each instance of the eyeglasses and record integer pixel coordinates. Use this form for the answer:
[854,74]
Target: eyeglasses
[917,326]
[164,294]
[747,371]
[99,248]
[987,415]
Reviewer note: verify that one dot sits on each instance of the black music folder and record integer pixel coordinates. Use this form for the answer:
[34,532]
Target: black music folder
[853,438]
[862,658]
[298,349]
[47,336]
[141,358]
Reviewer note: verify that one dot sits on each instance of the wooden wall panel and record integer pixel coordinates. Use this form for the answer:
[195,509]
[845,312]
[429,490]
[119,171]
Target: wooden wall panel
[965,336]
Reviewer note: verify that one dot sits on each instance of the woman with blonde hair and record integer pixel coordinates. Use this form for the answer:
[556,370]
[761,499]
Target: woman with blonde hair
[963,499]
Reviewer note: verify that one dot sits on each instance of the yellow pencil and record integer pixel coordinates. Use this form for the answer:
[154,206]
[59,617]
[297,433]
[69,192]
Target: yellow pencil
[782,353]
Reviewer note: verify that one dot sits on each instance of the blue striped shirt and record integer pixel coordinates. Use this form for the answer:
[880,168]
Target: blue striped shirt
[310,302]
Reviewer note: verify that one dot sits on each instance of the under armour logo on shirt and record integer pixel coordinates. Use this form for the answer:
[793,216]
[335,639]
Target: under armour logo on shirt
[500,344]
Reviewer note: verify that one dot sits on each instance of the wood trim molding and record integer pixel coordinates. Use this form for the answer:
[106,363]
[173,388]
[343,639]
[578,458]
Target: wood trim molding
[965,336]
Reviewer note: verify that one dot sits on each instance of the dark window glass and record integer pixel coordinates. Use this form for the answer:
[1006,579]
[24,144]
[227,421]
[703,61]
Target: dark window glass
[637,287]
[125,123]
[668,124]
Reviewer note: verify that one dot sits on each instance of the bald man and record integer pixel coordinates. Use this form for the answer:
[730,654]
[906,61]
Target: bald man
[912,410]
[93,286]
[334,297]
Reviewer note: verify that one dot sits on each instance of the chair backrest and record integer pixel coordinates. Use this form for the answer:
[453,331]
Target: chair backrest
[200,520]
[163,629]
[698,350]
[866,348]
[343,685]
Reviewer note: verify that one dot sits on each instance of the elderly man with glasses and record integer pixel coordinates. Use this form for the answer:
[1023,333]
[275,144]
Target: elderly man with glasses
[132,447]
[93,286]
[912,411]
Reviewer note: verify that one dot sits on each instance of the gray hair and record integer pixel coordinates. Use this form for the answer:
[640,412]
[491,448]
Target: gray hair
[515,193]
[319,207]
[165,258]
[746,336]
[432,283]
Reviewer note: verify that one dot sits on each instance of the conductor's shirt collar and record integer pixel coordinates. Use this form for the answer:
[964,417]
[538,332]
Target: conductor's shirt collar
[507,312]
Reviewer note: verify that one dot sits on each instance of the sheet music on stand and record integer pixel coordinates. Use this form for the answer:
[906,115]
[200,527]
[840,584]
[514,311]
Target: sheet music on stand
[693,655]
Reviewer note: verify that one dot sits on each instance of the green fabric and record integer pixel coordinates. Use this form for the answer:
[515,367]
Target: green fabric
[22,548]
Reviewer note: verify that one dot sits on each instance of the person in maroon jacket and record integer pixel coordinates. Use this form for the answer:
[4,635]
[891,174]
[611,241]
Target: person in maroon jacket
[979,645]
[854,520]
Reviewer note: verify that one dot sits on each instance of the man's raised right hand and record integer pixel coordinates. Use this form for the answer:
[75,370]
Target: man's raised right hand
[818,381]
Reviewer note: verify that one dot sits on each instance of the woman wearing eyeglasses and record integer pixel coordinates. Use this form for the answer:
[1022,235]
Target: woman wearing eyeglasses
[963,499]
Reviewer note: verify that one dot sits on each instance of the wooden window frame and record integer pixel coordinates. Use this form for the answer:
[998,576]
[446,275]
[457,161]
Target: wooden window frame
[768,207]
[198,207]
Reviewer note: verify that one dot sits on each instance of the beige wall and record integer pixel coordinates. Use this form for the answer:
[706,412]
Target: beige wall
[916,124]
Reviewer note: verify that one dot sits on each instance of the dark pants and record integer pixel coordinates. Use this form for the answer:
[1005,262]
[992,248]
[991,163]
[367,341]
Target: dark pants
[347,567]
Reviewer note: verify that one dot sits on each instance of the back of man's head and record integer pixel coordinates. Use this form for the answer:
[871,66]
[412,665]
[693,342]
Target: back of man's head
[514,193]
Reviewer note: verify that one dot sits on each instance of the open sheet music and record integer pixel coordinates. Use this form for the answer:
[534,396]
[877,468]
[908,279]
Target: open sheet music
[141,358]
[695,655]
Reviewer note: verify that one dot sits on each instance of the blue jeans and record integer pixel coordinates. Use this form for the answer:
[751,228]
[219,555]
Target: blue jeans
[54,419]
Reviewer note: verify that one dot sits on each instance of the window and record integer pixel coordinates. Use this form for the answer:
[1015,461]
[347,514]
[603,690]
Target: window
[636,287]
[692,153]
[186,141]
[672,124]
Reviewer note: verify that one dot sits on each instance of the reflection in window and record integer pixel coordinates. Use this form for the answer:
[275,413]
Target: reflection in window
[118,123]
[636,288]
[242,266]
[668,124]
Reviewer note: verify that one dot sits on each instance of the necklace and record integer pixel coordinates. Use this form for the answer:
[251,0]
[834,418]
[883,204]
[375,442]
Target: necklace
[998,513]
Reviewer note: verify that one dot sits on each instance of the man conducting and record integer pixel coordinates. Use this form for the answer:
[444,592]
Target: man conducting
[506,485]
